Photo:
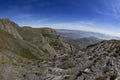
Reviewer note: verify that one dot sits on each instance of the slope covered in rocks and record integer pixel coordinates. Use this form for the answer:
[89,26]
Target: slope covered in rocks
[23,50]
[99,62]
[41,54]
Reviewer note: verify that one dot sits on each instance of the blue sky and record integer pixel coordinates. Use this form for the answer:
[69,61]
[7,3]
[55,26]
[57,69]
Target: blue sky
[91,15]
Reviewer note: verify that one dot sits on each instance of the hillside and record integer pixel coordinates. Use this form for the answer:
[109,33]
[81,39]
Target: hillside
[96,62]
[103,60]
[24,48]
[28,53]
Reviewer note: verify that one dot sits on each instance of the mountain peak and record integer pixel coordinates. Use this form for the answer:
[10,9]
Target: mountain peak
[7,20]
[9,26]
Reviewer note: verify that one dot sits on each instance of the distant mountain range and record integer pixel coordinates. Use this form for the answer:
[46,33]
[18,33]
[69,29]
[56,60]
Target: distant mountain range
[84,42]
[77,34]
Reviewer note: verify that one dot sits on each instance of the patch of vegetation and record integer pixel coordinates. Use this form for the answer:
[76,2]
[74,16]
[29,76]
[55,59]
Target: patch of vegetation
[27,54]
[40,73]
[102,78]
[47,35]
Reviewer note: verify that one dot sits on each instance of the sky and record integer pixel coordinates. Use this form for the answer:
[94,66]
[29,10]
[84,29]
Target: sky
[101,16]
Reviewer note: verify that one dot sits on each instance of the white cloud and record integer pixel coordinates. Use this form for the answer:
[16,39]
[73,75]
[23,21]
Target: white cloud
[110,8]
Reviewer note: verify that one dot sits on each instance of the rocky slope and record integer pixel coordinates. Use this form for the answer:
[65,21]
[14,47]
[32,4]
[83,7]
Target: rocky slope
[98,62]
[23,49]
[41,54]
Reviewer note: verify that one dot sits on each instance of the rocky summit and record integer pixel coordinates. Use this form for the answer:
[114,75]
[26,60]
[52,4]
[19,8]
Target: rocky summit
[28,53]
